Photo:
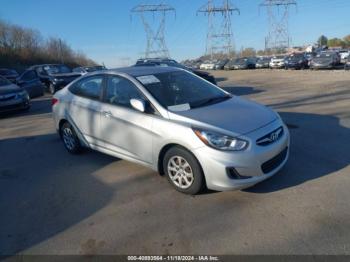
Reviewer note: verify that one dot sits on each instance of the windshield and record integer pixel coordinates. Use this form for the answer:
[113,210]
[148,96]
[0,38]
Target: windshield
[241,60]
[181,91]
[264,60]
[4,82]
[325,56]
[278,57]
[295,57]
[57,69]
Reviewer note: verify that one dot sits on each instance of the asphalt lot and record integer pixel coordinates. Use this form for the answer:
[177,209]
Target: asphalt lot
[54,203]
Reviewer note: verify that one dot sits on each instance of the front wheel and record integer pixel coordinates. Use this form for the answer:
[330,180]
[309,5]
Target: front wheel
[70,139]
[183,171]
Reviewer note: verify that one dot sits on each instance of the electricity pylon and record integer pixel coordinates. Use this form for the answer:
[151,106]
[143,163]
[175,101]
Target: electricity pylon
[219,37]
[156,45]
[278,16]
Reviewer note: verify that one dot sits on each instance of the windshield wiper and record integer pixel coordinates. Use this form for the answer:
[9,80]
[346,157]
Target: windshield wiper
[210,101]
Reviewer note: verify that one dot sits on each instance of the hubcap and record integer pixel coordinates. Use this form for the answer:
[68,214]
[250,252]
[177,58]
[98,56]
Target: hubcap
[68,138]
[180,172]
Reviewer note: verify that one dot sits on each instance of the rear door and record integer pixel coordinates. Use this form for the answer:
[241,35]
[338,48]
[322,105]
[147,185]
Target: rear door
[85,107]
[125,130]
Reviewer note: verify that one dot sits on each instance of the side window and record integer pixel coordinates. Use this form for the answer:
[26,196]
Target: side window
[90,87]
[120,91]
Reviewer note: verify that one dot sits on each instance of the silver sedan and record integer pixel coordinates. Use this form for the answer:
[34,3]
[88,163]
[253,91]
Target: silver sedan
[174,122]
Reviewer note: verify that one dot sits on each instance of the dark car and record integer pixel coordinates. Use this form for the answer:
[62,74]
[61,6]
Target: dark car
[173,63]
[9,74]
[263,62]
[325,60]
[243,63]
[220,65]
[296,61]
[12,97]
[88,69]
[30,81]
[55,76]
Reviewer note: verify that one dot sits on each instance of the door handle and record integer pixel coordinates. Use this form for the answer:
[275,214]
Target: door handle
[107,114]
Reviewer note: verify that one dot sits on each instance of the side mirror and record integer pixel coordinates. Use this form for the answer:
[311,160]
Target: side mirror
[138,104]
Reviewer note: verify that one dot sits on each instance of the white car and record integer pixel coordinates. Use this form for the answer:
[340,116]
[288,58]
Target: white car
[176,123]
[277,62]
[344,54]
[208,65]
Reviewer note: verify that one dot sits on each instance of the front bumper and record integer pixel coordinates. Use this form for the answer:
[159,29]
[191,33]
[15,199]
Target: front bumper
[13,105]
[320,66]
[279,65]
[239,67]
[248,164]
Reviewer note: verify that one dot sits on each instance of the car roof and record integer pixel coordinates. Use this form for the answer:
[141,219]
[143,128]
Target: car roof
[144,70]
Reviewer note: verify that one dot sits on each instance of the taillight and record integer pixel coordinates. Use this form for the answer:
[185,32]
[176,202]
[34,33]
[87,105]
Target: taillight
[54,101]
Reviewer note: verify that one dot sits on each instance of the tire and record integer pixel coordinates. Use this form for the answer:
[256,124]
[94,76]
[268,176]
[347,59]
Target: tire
[52,89]
[70,139]
[191,179]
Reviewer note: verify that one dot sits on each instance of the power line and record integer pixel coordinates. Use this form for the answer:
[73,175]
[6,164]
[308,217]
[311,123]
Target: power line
[156,45]
[219,38]
[278,15]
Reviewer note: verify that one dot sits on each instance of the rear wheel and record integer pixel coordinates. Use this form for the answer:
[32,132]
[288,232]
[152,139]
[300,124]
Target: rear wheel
[183,171]
[70,139]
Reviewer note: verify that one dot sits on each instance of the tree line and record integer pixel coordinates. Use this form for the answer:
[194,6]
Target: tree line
[21,47]
[334,42]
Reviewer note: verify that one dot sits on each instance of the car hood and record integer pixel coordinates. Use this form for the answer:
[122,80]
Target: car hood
[8,89]
[10,76]
[277,60]
[235,115]
[322,61]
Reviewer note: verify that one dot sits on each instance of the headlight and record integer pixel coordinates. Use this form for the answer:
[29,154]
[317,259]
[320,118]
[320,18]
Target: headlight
[221,142]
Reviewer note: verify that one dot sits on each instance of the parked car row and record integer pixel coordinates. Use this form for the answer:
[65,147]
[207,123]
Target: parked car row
[170,62]
[326,59]
[16,90]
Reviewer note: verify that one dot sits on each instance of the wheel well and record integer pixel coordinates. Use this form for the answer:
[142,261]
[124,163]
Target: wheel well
[161,157]
[163,152]
[61,123]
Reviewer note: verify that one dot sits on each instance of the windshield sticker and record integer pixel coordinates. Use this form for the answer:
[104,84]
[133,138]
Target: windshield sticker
[147,80]
[179,108]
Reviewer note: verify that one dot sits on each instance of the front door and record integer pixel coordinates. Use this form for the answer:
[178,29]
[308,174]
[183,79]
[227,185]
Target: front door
[125,130]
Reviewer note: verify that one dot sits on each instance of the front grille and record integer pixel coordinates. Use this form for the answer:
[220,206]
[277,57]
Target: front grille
[271,137]
[275,162]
